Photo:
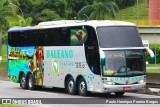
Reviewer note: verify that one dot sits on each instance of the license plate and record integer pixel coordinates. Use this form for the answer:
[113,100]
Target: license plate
[126,88]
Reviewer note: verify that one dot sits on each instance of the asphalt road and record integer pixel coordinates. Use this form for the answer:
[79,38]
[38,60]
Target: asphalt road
[12,90]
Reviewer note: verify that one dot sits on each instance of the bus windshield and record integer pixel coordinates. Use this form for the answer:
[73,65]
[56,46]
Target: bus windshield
[118,36]
[123,63]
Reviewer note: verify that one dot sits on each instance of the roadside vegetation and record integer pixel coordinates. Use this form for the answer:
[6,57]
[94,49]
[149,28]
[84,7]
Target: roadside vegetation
[9,105]
[153,65]
[153,71]
[3,64]
[130,13]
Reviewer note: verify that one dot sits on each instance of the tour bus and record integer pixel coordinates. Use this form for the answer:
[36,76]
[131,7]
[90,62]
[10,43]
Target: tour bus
[80,56]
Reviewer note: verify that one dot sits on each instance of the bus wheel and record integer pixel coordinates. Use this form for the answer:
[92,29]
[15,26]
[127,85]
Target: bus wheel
[71,86]
[119,93]
[23,83]
[30,82]
[107,94]
[82,87]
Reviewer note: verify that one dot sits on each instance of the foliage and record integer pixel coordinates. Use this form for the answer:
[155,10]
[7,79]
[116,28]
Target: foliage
[19,21]
[152,47]
[99,10]
[4,53]
[130,13]
[24,21]
[125,3]
[6,9]
[47,14]
[4,38]
[61,9]
[73,6]
[68,9]
[3,66]
[42,10]
[27,7]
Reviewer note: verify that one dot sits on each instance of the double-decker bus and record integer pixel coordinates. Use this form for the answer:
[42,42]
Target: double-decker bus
[80,56]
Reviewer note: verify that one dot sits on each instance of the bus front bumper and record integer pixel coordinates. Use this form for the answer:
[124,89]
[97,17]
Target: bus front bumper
[122,88]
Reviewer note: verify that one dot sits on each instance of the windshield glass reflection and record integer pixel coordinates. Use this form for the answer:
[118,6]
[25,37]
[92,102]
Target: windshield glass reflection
[130,62]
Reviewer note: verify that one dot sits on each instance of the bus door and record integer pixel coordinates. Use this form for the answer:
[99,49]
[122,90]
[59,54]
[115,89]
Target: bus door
[93,59]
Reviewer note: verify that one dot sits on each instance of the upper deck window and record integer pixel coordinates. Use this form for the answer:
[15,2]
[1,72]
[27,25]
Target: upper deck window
[62,36]
[118,36]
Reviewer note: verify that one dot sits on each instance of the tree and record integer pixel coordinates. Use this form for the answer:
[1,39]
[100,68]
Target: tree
[43,10]
[25,21]
[6,9]
[47,15]
[20,21]
[125,3]
[99,10]
[73,6]
[26,6]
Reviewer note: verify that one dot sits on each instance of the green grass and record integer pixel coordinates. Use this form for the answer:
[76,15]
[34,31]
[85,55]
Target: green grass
[130,13]
[4,53]
[3,66]
[9,105]
[153,65]
[153,71]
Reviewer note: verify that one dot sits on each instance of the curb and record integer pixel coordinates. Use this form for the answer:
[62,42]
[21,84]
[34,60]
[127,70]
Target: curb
[155,91]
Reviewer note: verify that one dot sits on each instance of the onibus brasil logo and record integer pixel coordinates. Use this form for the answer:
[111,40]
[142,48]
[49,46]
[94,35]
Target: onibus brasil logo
[55,67]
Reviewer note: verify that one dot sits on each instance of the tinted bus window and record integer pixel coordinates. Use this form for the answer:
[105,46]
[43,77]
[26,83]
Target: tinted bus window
[119,36]
[67,36]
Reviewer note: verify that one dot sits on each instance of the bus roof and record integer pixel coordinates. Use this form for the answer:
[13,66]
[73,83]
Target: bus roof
[65,23]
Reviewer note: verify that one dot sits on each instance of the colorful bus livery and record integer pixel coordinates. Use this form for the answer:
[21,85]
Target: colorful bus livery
[88,56]
[26,59]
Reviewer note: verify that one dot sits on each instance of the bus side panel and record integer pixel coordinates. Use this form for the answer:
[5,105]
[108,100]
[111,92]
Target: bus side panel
[60,61]
[25,59]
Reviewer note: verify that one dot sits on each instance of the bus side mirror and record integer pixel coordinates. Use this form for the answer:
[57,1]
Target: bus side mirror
[151,53]
[102,58]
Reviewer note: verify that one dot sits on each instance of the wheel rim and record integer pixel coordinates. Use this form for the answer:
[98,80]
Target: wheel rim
[30,82]
[23,81]
[82,87]
[70,86]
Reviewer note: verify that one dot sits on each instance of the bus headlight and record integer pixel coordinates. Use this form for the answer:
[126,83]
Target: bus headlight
[110,83]
[141,82]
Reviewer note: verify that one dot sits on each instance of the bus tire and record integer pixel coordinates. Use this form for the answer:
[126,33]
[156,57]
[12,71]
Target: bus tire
[119,94]
[82,87]
[23,82]
[71,86]
[30,82]
[107,94]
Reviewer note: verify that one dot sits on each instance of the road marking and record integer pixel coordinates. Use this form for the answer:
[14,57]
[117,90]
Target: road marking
[43,92]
